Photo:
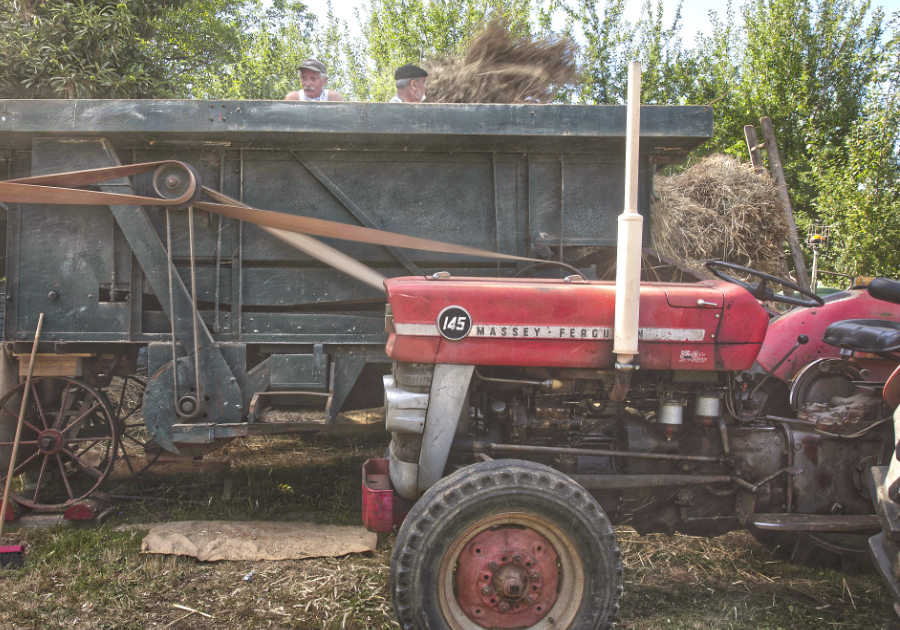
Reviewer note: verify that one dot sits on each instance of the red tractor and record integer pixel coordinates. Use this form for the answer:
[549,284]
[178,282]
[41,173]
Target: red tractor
[521,439]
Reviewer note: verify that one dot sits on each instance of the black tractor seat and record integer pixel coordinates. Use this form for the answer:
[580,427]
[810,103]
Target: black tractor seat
[876,336]
[884,289]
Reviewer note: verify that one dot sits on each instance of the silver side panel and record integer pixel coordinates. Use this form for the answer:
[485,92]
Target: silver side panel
[447,403]
[404,411]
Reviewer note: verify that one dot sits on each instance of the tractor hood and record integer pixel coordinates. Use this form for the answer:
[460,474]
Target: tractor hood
[710,325]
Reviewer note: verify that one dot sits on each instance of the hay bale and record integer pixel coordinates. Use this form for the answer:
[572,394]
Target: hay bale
[720,209]
[500,68]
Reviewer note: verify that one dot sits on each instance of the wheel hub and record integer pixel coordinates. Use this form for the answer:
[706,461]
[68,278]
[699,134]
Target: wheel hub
[506,577]
[50,442]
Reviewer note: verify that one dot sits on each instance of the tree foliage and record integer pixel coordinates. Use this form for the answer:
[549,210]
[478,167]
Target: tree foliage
[80,49]
[269,45]
[120,49]
[860,183]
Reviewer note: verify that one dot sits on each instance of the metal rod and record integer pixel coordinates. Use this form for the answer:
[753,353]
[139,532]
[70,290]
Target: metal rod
[216,327]
[494,205]
[237,263]
[475,445]
[171,265]
[21,420]
[195,315]
[562,197]
[632,482]
[801,340]
[517,381]
[723,431]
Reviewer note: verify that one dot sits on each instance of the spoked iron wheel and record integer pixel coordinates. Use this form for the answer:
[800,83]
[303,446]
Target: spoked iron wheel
[137,450]
[68,445]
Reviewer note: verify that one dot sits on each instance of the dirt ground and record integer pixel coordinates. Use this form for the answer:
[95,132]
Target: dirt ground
[97,577]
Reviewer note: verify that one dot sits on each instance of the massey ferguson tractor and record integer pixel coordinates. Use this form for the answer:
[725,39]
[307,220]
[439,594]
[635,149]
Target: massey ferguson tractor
[530,415]
[510,389]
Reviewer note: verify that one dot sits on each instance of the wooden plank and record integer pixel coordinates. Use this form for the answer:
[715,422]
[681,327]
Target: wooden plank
[768,132]
[54,365]
[753,146]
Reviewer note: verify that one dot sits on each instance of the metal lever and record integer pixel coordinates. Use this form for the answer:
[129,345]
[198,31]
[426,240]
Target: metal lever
[802,340]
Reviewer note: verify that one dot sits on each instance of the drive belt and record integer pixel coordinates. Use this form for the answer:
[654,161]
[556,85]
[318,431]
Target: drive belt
[65,189]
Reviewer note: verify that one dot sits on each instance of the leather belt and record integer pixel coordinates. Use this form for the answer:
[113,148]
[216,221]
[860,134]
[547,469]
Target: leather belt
[61,189]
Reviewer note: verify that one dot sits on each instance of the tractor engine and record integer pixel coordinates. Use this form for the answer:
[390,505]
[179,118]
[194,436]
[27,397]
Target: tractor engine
[524,369]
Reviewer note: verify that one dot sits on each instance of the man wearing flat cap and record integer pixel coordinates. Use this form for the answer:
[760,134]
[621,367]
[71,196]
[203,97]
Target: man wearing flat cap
[313,77]
[410,84]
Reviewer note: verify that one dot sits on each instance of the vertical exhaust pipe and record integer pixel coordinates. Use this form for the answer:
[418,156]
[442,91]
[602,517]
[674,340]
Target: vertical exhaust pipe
[631,225]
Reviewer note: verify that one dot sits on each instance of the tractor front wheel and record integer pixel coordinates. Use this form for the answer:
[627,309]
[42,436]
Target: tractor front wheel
[506,544]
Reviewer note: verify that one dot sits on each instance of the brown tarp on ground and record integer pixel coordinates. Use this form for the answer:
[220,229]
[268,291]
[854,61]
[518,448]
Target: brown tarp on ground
[256,540]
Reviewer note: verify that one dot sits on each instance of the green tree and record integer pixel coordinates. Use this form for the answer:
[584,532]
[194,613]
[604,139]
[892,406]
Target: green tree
[79,50]
[608,39]
[412,31]
[807,66]
[114,49]
[860,183]
[270,44]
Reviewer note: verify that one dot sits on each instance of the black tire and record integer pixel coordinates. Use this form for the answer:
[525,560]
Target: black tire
[841,552]
[498,502]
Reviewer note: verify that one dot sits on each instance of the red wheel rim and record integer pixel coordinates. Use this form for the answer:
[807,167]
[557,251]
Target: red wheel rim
[506,577]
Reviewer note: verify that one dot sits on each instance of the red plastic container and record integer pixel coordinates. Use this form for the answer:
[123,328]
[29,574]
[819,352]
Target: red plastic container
[382,510]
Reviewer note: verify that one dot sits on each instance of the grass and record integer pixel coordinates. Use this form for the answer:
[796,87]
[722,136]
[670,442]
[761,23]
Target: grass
[97,578]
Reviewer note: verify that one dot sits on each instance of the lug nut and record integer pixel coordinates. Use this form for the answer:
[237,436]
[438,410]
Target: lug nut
[492,565]
[535,576]
[529,599]
[517,558]
[486,590]
[503,607]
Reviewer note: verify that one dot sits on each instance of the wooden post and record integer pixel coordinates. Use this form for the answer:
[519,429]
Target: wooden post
[768,132]
[753,146]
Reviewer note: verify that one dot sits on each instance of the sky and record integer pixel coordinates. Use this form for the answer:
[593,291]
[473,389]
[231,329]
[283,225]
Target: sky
[694,13]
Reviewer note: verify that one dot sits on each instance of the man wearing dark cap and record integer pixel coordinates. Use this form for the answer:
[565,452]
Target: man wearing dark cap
[313,77]
[410,84]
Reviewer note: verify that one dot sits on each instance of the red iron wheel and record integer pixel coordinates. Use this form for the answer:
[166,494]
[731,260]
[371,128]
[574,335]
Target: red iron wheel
[68,445]
[506,544]
[508,573]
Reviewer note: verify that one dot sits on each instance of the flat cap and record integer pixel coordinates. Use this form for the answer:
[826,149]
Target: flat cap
[409,71]
[313,64]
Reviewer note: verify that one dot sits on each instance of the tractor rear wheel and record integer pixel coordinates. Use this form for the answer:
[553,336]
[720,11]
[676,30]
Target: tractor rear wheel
[506,544]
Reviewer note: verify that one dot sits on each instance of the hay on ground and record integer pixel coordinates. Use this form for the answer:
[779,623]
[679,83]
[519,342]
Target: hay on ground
[500,68]
[720,209]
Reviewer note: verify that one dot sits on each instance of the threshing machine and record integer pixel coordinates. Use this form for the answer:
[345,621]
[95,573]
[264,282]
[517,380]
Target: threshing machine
[236,328]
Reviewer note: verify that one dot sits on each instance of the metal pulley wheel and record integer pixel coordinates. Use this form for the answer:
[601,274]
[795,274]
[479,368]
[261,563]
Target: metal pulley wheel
[174,179]
[188,407]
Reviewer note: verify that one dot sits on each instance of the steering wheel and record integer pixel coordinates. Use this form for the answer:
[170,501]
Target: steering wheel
[760,290]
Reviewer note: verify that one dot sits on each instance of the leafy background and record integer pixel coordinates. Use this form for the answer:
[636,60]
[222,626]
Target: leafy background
[825,71]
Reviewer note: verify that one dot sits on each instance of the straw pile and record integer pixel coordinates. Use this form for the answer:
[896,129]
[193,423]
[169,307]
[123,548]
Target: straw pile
[720,209]
[500,68]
